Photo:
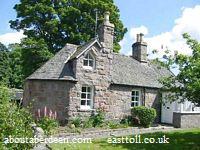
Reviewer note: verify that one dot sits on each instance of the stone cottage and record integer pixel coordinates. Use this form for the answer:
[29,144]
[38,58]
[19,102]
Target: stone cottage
[81,78]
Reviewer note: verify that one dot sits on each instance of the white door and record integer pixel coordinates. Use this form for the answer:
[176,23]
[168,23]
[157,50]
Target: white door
[167,110]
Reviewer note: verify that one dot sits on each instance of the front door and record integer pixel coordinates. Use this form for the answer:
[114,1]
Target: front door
[167,110]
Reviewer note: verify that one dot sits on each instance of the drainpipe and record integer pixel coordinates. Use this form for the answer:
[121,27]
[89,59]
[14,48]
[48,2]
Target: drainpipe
[144,95]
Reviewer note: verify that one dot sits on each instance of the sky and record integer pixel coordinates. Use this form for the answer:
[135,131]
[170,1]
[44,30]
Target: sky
[162,21]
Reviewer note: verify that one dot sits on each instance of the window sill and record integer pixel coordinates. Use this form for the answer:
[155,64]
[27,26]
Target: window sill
[85,110]
[88,67]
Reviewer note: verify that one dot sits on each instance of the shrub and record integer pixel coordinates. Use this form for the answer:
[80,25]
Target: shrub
[76,121]
[126,121]
[98,118]
[88,123]
[113,125]
[47,124]
[95,120]
[4,95]
[14,122]
[145,115]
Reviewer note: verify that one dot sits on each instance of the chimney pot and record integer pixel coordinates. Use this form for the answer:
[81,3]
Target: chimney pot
[106,16]
[141,37]
[138,38]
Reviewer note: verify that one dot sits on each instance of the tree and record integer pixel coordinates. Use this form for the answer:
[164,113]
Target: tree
[186,85]
[4,65]
[11,66]
[16,76]
[58,22]
[18,61]
[33,54]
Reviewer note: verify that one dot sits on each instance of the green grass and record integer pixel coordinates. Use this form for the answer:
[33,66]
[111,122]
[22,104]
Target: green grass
[178,140]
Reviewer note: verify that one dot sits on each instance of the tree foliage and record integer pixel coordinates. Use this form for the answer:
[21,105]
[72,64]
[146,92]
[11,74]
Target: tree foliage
[58,22]
[186,85]
[4,65]
[33,54]
[11,66]
[49,25]
[18,61]
[16,74]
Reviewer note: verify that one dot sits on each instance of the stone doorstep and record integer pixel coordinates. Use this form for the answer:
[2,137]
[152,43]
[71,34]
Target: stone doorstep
[115,132]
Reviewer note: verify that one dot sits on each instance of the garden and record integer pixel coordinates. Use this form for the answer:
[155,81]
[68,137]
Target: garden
[140,116]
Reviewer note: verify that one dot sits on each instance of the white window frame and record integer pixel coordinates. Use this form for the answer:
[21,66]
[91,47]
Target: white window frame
[88,59]
[86,99]
[135,96]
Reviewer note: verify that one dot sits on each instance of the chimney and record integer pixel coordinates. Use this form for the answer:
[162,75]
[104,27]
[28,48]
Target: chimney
[106,34]
[139,49]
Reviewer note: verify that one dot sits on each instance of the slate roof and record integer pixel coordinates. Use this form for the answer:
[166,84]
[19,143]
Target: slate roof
[125,70]
[57,68]
[128,71]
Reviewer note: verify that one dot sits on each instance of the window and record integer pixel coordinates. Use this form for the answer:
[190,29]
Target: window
[86,97]
[88,61]
[135,101]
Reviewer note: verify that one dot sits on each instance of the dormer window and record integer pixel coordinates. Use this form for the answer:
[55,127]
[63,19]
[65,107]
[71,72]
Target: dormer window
[88,61]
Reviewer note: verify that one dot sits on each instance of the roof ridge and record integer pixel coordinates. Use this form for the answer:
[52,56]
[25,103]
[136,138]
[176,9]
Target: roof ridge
[127,56]
[82,48]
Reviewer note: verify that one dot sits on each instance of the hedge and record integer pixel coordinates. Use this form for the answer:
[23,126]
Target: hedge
[146,115]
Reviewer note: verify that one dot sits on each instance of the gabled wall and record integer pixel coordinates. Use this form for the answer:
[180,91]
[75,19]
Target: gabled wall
[99,78]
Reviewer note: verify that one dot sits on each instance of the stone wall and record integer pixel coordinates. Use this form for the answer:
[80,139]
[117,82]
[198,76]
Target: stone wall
[186,120]
[152,100]
[96,134]
[120,100]
[98,78]
[48,95]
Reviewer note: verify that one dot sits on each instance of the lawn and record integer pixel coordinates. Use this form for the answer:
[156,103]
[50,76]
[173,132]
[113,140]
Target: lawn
[178,140]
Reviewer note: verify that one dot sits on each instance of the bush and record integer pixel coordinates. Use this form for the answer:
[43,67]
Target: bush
[113,125]
[88,123]
[95,120]
[126,121]
[14,122]
[76,121]
[47,124]
[145,115]
[98,118]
